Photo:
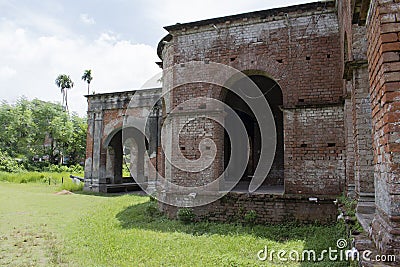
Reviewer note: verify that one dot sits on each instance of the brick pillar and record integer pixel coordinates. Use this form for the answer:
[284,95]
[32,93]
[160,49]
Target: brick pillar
[363,165]
[97,137]
[383,32]
[349,129]
[89,152]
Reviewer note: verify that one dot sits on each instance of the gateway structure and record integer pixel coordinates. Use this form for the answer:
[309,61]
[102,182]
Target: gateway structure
[330,73]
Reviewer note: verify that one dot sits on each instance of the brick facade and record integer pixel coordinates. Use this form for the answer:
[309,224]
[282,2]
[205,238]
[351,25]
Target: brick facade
[271,209]
[298,48]
[383,32]
[330,72]
[104,162]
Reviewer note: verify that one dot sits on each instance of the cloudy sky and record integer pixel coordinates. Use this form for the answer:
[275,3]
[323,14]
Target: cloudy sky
[117,40]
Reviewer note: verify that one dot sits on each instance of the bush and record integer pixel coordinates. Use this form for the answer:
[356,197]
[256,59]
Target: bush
[33,177]
[250,217]
[186,215]
[9,164]
[152,210]
[62,168]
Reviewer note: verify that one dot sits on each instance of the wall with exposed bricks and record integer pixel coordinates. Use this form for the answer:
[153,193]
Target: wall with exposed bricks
[383,32]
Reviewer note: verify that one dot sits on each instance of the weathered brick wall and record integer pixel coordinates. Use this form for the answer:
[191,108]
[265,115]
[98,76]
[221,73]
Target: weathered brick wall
[348,130]
[383,31]
[314,151]
[344,16]
[357,107]
[301,51]
[362,134]
[269,209]
[105,118]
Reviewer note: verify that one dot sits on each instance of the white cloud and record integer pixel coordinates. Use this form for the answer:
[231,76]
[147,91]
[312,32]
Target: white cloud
[116,65]
[6,72]
[86,19]
[37,43]
[182,11]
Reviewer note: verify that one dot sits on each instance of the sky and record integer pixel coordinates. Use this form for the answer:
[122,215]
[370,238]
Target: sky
[116,39]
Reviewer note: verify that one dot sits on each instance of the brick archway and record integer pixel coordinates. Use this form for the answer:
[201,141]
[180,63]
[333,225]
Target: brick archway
[271,91]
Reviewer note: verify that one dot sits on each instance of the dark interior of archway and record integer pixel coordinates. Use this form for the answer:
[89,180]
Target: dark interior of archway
[119,163]
[273,94]
[116,144]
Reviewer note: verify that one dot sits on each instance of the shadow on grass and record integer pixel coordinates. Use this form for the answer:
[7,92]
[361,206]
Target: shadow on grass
[145,216]
[316,237]
[99,194]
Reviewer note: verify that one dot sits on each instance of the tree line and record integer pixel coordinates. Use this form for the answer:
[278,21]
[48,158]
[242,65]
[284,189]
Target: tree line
[38,133]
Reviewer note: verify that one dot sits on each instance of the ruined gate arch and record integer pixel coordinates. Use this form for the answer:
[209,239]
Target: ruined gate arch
[104,152]
[126,150]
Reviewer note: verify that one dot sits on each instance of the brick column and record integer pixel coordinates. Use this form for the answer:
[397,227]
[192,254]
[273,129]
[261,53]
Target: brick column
[363,165]
[89,152]
[97,137]
[349,129]
[383,31]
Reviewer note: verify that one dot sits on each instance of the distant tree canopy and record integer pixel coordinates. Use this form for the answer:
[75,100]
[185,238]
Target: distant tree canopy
[41,131]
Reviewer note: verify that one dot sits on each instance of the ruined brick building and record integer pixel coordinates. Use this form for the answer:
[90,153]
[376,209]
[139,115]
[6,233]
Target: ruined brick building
[330,72]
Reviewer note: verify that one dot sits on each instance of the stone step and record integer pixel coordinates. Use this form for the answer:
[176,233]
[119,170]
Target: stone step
[367,207]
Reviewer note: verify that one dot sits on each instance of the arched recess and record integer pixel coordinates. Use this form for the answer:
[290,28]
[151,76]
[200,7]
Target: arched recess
[272,92]
[125,148]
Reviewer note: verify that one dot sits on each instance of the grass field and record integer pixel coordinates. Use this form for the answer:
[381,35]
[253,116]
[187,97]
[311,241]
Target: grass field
[40,228]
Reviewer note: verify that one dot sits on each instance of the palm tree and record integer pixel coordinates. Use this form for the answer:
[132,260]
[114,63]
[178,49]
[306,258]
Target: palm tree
[87,77]
[64,82]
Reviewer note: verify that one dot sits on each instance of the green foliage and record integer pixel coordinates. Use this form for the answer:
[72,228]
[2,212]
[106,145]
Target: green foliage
[87,77]
[151,210]
[36,177]
[61,168]
[349,205]
[250,217]
[33,130]
[64,82]
[186,215]
[71,186]
[9,164]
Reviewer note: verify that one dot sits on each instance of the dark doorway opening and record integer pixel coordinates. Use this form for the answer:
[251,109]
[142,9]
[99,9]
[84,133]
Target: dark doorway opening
[273,94]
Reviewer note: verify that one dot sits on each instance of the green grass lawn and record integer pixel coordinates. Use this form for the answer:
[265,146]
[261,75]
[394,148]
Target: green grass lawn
[39,228]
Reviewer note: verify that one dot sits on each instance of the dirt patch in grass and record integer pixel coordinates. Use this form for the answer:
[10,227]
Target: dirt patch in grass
[30,247]
[64,192]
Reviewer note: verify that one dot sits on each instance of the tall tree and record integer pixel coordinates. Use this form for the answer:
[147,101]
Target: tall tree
[87,77]
[64,82]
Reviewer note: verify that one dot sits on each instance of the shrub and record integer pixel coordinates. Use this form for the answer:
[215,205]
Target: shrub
[186,215]
[9,164]
[62,168]
[34,177]
[153,198]
[152,210]
[250,217]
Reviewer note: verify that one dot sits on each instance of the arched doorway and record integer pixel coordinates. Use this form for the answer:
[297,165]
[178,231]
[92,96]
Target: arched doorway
[125,156]
[273,94]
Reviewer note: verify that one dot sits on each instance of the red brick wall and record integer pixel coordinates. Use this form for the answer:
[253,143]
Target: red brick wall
[271,209]
[383,33]
[314,151]
[302,52]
